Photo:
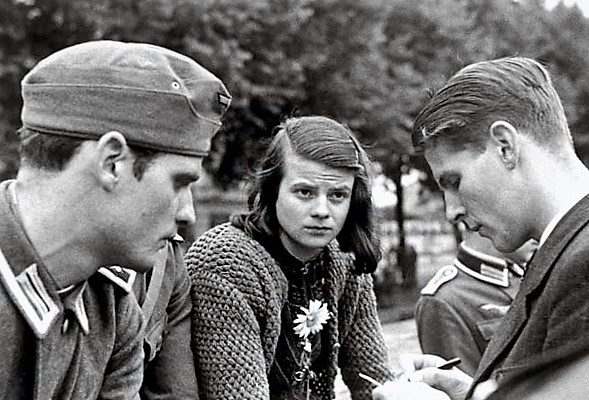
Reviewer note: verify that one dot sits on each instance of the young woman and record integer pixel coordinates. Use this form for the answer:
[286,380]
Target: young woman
[282,294]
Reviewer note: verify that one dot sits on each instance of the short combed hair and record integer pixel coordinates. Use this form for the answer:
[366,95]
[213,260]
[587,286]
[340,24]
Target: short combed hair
[330,143]
[515,89]
[53,152]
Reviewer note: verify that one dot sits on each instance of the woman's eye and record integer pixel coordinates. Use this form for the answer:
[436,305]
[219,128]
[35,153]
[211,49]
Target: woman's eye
[304,192]
[339,196]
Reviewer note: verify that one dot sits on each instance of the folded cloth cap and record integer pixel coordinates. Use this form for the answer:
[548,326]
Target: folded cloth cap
[155,97]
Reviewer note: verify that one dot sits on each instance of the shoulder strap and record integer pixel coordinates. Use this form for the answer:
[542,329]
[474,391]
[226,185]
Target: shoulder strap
[153,290]
[444,274]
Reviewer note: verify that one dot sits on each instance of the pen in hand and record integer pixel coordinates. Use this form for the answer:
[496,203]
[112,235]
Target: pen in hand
[450,363]
[445,366]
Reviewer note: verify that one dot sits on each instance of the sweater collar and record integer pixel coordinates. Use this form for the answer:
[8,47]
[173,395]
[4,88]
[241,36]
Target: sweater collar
[295,270]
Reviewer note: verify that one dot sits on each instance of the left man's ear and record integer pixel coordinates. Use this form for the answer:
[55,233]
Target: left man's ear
[504,137]
[112,149]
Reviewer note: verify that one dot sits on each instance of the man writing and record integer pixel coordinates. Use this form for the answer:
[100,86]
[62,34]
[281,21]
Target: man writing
[113,136]
[498,143]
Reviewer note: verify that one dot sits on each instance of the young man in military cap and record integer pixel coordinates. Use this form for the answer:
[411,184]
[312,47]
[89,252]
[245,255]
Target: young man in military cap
[113,136]
[498,143]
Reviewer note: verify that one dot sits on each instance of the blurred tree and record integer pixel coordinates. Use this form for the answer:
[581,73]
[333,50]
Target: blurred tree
[367,63]
[428,41]
[251,45]
[29,30]
[284,57]
[566,52]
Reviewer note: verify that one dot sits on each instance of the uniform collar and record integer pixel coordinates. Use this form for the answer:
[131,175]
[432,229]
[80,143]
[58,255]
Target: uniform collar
[28,282]
[122,277]
[24,276]
[125,277]
[73,304]
[485,267]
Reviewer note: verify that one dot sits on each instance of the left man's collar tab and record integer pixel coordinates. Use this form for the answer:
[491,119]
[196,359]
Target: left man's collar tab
[30,296]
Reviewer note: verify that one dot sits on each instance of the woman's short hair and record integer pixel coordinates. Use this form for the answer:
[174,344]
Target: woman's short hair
[332,144]
[517,90]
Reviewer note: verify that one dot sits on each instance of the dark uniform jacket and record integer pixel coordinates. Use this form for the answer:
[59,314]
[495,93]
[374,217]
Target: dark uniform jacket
[462,305]
[84,344]
[169,368]
[551,309]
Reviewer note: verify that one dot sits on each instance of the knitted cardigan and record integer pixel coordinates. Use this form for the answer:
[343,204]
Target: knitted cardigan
[238,292]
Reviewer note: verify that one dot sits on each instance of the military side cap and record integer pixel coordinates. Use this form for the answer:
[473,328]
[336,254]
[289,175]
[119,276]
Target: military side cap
[155,97]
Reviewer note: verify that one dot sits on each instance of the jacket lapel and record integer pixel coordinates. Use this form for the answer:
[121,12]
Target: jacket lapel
[539,267]
[513,322]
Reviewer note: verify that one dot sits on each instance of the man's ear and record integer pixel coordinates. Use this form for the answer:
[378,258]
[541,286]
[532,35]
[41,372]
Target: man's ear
[504,137]
[112,149]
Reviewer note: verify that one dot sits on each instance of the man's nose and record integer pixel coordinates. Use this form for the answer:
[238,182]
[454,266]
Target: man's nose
[455,211]
[186,214]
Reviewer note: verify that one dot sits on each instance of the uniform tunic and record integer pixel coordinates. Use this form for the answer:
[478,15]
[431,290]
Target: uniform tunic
[461,307]
[84,343]
[169,368]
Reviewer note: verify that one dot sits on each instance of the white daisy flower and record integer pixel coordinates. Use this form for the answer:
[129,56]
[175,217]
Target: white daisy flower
[312,319]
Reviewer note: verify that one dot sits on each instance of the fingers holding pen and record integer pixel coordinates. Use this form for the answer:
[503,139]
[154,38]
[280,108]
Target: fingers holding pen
[452,381]
[407,363]
[451,363]
[425,376]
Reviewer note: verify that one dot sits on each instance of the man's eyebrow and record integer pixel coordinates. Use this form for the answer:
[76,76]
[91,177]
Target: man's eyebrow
[186,177]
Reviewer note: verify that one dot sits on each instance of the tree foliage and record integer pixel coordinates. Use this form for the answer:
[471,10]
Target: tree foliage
[367,63]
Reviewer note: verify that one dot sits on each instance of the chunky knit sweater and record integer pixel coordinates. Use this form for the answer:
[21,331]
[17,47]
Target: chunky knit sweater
[238,292]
